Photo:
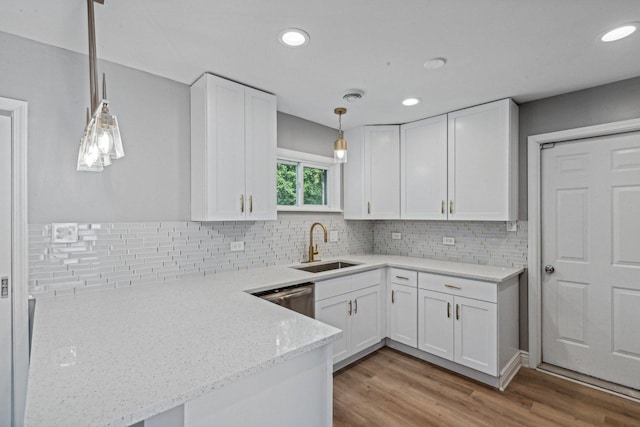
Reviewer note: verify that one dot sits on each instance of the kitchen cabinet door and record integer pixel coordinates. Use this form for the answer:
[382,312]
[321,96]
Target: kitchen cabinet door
[423,167]
[217,149]
[372,174]
[366,322]
[476,335]
[483,162]
[435,323]
[336,312]
[260,142]
[403,314]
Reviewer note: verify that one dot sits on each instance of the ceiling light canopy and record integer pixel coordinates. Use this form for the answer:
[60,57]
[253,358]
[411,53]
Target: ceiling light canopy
[293,37]
[435,63]
[353,95]
[411,102]
[340,146]
[619,33]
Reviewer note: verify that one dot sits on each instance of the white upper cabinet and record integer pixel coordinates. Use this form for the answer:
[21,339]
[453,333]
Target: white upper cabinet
[372,174]
[233,151]
[423,166]
[483,162]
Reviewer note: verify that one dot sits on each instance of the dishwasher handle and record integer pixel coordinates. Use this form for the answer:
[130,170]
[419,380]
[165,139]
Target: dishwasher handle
[288,294]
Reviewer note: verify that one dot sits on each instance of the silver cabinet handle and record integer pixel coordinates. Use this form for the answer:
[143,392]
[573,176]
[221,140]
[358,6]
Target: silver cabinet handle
[450,206]
[452,286]
[355,310]
[350,308]
[448,310]
[457,312]
[251,204]
[369,208]
[242,203]
[442,208]
[402,277]
[393,297]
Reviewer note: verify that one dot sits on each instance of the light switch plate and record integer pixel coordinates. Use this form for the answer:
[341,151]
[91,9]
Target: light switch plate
[448,241]
[396,236]
[64,232]
[237,246]
[333,236]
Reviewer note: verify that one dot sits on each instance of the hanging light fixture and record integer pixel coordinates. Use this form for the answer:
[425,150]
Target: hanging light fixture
[101,141]
[340,146]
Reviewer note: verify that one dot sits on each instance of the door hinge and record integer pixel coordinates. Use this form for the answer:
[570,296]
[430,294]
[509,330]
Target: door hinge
[547,145]
[4,287]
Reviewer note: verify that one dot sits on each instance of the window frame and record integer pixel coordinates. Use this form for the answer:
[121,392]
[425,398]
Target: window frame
[334,180]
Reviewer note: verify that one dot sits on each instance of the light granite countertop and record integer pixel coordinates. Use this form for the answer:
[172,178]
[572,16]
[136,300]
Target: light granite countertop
[115,357]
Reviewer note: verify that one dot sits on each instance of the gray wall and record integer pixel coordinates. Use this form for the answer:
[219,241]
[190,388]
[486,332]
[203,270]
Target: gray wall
[602,104]
[299,134]
[151,182]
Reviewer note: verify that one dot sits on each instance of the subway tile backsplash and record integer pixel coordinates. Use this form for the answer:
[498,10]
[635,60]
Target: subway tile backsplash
[475,242]
[126,254]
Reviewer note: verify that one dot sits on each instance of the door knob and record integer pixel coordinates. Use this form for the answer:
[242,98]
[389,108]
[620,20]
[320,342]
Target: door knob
[549,269]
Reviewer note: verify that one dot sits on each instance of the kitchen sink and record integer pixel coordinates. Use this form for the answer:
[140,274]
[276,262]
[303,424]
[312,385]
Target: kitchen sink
[318,268]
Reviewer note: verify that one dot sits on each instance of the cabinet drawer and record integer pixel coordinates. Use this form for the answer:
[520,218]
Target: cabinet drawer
[403,277]
[484,291]
[366,279]
[332,287]
[342,285]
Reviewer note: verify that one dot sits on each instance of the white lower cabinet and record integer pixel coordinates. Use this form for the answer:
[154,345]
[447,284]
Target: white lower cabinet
[459,329]
[354,304]
[402,306]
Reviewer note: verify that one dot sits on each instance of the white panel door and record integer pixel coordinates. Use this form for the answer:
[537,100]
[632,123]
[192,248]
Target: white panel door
[423,169]
[260,140]
[403,314]
[476,334]
[366,322]
[479,156]
[435,323]
[225,149]
[336,312]
[382,165]
[591,239]
[6,362]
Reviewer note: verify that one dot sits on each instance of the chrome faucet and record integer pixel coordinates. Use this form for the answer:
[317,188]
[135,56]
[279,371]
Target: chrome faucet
[314,251]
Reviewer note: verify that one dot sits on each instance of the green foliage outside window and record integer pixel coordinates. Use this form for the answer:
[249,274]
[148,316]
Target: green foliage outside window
[314,185]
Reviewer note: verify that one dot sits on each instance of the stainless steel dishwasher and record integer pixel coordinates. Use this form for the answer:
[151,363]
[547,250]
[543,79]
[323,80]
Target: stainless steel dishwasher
[300,298]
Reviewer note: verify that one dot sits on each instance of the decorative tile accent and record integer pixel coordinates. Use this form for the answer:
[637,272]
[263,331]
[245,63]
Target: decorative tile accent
[475,242]
[126,254]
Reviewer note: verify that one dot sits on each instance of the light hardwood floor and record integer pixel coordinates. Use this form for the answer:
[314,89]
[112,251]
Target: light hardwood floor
[389,388]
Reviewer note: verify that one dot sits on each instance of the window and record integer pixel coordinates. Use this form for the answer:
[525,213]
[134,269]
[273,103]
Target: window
[307,182]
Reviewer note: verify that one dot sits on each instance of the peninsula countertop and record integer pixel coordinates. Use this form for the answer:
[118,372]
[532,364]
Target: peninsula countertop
[114,357]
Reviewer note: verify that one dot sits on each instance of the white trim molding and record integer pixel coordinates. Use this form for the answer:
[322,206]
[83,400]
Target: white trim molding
[535,268]
[17,110]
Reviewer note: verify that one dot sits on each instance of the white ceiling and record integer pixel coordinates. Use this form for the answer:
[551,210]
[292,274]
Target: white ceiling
[525,49]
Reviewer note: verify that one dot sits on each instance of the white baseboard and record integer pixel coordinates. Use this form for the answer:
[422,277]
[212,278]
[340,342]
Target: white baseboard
[510,370]
[524,358]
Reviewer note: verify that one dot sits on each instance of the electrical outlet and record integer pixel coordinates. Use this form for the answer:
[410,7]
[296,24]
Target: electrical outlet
[396,236]
[333,236]
[512,225]
[448,241]
[64,232]
[237,246]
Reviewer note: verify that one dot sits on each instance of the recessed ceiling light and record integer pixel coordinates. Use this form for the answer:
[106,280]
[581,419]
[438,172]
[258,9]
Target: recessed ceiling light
[293,37]
[411,101]
[619,33]
[435,63]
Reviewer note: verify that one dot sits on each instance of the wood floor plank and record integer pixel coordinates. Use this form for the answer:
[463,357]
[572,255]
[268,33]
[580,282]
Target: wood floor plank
[389,388]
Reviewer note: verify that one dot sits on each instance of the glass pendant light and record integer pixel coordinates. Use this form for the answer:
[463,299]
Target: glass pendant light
[340,146]
[101,142]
